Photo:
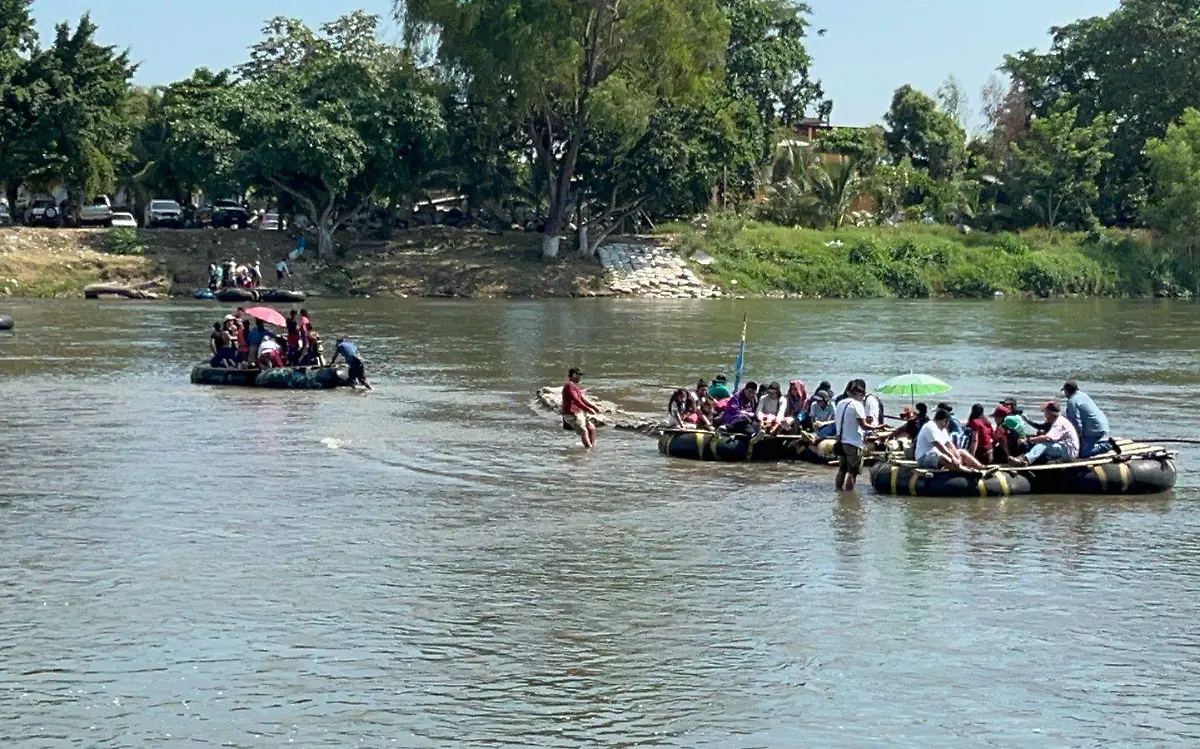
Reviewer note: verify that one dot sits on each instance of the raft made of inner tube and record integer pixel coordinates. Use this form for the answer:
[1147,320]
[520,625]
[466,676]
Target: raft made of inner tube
[204,294]
[6,322]
[740,448]
[272,296]
[283,378]
[1139,469]
[908,480]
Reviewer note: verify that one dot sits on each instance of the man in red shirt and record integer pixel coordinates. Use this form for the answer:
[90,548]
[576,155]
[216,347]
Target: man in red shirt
[577,409]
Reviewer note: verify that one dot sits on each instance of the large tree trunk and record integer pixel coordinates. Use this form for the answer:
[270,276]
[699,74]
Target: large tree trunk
[11,190]
[584,248]
[550,244]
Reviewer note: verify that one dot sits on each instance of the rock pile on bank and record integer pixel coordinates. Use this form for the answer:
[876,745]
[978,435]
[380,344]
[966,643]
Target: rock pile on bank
[653,272]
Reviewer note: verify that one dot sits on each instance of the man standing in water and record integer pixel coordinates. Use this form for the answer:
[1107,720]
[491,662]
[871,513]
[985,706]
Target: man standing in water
[577,409]
[348,351]
[852,425]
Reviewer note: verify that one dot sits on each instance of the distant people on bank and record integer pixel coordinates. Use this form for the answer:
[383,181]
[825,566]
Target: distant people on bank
[577,410]
[934,447]
[1089,421]
[852,426]
[281,271]
[358,370]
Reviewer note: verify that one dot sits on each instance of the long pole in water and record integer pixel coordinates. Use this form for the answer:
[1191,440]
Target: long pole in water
[740,364]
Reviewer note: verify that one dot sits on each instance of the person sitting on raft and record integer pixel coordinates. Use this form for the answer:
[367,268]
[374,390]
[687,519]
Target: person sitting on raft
[348,351]
[797,403]
[681,410]
[821,415]
[1002,449]
[1089,421]
[934,448]
[270,354]
[293,339]
[1060,443]
[958,435]
[770,413]
[254,338]
[739,410]
[224,354]
[982,435]
[914,420]
[719,389]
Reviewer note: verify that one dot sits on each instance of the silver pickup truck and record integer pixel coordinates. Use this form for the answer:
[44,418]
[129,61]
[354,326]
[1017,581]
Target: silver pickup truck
[98,210]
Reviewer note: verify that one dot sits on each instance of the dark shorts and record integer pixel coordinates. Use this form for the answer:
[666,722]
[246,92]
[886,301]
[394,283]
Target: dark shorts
[851,459]
[357,371]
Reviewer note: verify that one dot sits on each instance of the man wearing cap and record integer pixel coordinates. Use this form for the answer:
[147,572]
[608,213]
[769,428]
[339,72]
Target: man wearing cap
[958,435]
[1089,421]
[577,409]
[1059,443]
[821,414]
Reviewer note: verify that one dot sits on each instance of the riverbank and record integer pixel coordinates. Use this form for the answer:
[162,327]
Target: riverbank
[916,261]
[430,261]
[725,258]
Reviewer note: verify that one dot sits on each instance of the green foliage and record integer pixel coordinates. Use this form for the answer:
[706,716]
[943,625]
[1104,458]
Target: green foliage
[1057,164]
[1174,208]
[123,242]
[917,130]
[919,262]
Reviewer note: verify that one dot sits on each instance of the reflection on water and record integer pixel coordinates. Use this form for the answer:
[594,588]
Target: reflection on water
[436,564]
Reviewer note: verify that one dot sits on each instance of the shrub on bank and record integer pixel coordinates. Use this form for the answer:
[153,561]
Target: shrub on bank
[922,261]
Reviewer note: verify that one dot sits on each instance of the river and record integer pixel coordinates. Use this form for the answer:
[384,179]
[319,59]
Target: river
[437,564]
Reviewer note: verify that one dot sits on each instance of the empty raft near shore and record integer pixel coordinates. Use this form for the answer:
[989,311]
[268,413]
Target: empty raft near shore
[1138,469]
[283,378]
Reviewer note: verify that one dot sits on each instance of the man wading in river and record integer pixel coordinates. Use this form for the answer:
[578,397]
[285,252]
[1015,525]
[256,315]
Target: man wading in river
[577,409]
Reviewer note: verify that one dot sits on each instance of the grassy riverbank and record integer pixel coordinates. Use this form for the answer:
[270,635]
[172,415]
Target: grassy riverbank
[923,261]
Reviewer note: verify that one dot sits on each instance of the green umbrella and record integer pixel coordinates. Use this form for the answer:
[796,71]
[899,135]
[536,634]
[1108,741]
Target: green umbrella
[913,385]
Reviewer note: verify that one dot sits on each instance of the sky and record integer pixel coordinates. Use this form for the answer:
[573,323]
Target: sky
[871,47]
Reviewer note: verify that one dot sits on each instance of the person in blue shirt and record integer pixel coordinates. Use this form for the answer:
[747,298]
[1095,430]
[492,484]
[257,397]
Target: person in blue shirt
[958,435]
[1089,421]
[348,351]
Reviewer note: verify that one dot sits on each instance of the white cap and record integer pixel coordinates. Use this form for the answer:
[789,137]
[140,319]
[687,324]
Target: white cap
[230,317]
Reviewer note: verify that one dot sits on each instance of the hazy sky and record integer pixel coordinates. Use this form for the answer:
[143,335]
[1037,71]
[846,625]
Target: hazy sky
[871,46]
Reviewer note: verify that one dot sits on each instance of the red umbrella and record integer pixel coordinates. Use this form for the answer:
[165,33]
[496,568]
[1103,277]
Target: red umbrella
[268,315]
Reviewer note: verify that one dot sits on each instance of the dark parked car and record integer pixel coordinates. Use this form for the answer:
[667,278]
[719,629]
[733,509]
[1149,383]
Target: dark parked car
[229,214]
[43,212]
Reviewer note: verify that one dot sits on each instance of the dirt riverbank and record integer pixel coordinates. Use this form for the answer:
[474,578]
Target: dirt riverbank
[431,261]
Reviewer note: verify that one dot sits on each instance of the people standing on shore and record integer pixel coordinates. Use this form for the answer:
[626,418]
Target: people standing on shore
[281,270]
[577,410]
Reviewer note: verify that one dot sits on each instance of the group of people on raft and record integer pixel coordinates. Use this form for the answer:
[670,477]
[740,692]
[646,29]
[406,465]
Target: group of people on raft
[243,342]
[230,275]
[856,417]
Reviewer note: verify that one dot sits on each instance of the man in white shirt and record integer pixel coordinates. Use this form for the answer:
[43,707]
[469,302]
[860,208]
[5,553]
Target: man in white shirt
[852,425]
[934,448]
[874,408]
[1060,442]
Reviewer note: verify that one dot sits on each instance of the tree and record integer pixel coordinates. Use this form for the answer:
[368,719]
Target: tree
[919,131]
[553,60]
[954,101]
[1140,65]
[20,100]
[1057,164]
[87,84]
[1174,207]
[767,62]
[334,119]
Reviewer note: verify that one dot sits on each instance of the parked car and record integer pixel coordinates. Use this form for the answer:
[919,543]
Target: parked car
[5,216]
[163,213]
[229,214]
[98,210]
[43,212]
[123,220]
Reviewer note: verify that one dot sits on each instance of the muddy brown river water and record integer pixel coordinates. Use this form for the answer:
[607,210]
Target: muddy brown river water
[436,564]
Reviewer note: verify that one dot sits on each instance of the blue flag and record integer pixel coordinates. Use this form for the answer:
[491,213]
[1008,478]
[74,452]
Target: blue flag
[740,365]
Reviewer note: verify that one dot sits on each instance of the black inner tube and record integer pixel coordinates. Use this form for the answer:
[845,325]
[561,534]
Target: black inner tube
[6,322]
